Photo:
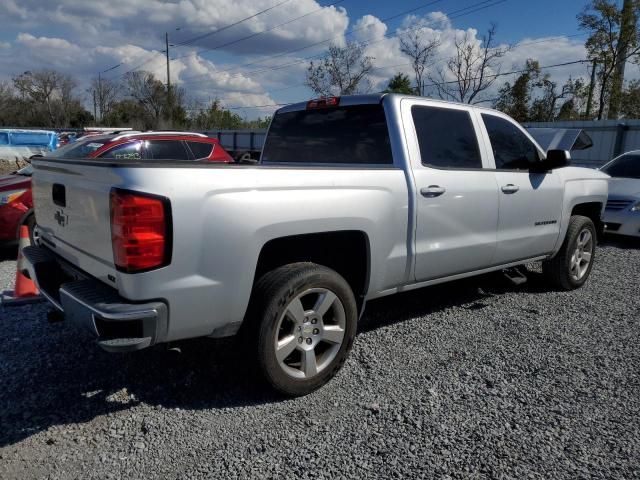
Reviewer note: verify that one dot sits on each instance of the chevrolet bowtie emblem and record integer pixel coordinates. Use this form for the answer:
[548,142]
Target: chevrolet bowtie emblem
[61,218]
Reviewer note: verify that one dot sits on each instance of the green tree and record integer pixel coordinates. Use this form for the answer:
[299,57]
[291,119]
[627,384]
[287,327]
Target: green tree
[613,40]
[631,100]
[258,123]
[536,97]
[514,100]
[43,98]
[215,116]
[400,83]
[129,113]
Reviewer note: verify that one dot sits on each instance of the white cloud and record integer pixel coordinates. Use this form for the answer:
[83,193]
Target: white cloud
[83,37]
[436,25]
[46,43]
[146,21]
[369,28]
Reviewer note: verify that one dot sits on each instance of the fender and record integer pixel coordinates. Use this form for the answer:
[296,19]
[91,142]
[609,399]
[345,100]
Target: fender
[581,185]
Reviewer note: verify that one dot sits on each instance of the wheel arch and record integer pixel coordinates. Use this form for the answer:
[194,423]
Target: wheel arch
[348,252]
[593,211]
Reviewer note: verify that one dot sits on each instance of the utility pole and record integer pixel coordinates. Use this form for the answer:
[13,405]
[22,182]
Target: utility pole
[100,95]
[169,104]
[592,86]
[95,113]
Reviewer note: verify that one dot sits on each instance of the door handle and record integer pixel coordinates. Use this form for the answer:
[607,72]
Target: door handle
[432,191]
[510,188]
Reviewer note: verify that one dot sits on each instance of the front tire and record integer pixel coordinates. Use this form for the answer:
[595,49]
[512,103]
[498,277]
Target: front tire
[302,319]
[571,266]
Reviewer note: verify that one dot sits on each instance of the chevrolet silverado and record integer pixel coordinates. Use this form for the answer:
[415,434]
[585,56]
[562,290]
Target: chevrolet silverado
[354,198]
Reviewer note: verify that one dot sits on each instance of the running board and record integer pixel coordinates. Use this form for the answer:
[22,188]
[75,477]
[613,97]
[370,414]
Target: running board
[515,276]
[114,345]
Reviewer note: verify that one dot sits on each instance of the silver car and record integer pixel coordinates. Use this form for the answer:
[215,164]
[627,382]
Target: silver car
[622,213]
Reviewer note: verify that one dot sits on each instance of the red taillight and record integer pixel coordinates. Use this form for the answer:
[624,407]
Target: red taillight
[323,102]
[139,231]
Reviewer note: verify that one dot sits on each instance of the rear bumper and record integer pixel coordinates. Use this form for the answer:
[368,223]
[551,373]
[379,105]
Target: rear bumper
[119,324]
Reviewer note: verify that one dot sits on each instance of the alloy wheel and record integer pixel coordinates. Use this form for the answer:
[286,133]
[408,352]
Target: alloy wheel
[309,333]
[581,257]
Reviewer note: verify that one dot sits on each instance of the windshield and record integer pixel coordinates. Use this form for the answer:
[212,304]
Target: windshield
[627,166]
[79,149]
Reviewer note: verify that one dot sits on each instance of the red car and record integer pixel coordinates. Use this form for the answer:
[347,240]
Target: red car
[16,204]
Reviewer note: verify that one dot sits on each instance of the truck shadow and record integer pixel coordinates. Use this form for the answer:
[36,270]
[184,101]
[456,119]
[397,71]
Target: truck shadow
[8,253]
[54,375]
[618,241]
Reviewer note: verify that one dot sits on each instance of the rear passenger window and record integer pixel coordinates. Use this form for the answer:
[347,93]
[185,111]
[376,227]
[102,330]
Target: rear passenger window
[200,149]
[167,150]
[446,138]
[512,150]
[126,151]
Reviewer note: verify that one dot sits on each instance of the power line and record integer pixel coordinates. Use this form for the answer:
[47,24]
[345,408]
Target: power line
[253,35]
[154,55]
[513,72]
[111,68]
[382,67]
[452,15]
[481,5]
[226,27]
[315,44]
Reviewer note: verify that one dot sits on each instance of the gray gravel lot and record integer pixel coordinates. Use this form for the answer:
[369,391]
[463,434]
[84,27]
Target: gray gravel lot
[476,379]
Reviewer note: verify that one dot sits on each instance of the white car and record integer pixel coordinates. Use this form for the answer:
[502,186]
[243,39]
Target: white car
[622,213]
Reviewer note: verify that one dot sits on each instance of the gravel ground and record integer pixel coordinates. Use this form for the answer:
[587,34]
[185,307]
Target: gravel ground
[476,379]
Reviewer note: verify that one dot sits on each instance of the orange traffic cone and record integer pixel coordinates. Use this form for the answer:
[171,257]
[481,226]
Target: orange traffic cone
[25,287]
[25,290]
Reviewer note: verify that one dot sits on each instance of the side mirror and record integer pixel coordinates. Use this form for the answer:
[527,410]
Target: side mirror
[555,159]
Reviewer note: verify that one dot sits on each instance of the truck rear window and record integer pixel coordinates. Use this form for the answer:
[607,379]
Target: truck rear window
[355,134]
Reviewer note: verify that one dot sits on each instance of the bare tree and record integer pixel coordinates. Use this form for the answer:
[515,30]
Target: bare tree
[105,92]
[67,99]
[39,88]
[545,107]
[6,97]
[474,68]
[148,91]
[342,71]
[421,53]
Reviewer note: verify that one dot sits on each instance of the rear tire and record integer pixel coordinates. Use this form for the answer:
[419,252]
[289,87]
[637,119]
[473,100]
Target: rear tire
[245,157]
[301,325]
[571,266]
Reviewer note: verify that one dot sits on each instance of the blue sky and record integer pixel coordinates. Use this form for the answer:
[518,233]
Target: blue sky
[84,37]
[515,18]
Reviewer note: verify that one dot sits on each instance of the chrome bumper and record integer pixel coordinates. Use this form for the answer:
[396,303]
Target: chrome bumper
[119,324]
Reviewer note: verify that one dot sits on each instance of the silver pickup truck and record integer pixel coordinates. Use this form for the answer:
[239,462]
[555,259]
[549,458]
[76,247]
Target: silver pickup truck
[354,198]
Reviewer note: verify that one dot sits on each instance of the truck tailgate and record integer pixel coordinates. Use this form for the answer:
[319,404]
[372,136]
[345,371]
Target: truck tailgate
[72,212]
